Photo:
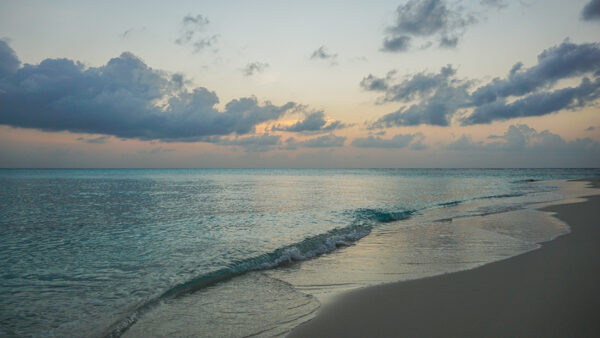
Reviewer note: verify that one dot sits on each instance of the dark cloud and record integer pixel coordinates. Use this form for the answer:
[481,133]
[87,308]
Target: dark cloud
[398,141]
[591,11]
[313,123]
[374,83]
[563,61]
[449,42]
[9,62]
[426,19]
[590,128]
[254,67]
[396,44]
[325,141]
[440,95]
[437,110]
[95,140]
[192,33]
[323,53]
[523,92]
[536,104]
[124,98]
[417,86]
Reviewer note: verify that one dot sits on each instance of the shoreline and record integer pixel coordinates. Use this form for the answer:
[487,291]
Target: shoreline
[550,291]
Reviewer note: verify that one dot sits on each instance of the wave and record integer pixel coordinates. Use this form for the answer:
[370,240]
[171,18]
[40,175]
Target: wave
[363,222]
[449,204]
[500,196]
[381,216]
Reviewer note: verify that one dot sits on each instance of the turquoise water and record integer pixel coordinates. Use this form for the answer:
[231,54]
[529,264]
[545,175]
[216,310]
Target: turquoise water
[98,252]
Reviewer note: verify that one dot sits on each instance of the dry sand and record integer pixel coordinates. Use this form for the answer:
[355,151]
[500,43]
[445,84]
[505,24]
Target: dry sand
[550,292]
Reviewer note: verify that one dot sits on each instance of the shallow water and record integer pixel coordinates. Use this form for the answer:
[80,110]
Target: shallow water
[212,252]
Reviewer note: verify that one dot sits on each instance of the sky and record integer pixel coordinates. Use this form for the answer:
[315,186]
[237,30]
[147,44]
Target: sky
[301,84]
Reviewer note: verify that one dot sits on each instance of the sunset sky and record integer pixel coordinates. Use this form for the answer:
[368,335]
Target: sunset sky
[193,84]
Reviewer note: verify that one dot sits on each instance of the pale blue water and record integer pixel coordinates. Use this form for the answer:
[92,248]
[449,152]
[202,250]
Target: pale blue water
[92,252]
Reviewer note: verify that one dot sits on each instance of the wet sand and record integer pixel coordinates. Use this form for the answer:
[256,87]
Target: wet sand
[552,292]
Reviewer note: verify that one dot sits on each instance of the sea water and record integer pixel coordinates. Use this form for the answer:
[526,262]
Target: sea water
[239,252]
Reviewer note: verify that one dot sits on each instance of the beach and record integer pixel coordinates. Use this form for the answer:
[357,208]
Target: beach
[552,291]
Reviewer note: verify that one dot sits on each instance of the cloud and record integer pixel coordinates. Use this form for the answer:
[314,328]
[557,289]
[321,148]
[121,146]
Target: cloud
[259,143]
[254,67]
[536,104]
[325,141]
[313,123]
[426,19]
[464,142]
[499,4]
[322,53]
[436,110]
[417,86]
[374,83]
[157,150]
[559,62]
[396,44]
[131,31]
[440,94]
[591,11]
[126,33]
[9,62]
[192,32]
[398,141]
[522,138]
[523,92]
[590,128]
[96,140]
[418,145]
[124,98]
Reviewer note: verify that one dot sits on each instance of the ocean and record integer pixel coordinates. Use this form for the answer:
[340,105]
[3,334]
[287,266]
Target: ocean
[244,252]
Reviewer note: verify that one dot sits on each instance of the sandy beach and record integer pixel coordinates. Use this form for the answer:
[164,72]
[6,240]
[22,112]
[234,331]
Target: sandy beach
[552,291]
